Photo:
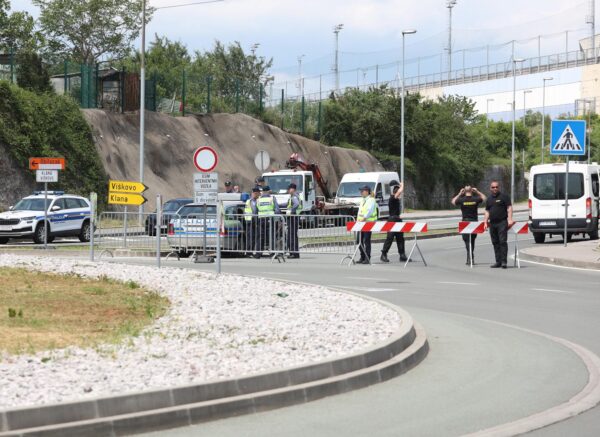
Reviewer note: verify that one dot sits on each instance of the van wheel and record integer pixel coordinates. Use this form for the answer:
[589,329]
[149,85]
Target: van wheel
[539,237]
[594,235]
[38,235]
[3,240]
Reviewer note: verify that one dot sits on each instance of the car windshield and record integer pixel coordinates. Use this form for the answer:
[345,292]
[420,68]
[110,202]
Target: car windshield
[352,189]
[551,186]
[197,210]
[173,206]
[36,204]
[279,184]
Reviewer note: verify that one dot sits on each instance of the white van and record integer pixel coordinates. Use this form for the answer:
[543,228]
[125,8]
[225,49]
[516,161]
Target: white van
[349,190]
[547,200]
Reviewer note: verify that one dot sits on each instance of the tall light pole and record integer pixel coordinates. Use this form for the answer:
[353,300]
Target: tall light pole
[525,92]
[336,66]
[300,87]
[142,98]
[450,4]
[404,33]
[544,113]
[512,153]
[591,20]
[487,112]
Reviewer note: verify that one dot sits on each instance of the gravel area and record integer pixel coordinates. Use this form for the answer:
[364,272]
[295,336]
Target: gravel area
[217,327]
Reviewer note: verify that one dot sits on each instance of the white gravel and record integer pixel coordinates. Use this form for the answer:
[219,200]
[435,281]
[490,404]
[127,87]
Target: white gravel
[216,328]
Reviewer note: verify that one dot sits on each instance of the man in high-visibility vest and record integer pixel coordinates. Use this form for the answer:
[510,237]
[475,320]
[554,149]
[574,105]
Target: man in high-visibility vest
[267,208]
[367,212]
[294,208]
[251,221]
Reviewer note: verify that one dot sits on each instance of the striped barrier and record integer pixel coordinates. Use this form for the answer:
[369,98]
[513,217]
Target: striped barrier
[519,228]
[379,227]
[471,227]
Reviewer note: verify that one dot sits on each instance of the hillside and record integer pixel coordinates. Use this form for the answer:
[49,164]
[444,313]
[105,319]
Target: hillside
[171,142]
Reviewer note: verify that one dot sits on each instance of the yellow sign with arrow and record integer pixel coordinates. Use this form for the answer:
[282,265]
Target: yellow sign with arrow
[126,199]
[126,193]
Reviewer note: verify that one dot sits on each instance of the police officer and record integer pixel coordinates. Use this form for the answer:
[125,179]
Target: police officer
[498,218]
[394,205]
[260,182]
[294,208]
[367,212]
[251,220]
[267,207]
[469,198]
[228,187]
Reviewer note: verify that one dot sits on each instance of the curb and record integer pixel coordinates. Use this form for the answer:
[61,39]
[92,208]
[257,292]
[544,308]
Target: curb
[185,405]
[563,262]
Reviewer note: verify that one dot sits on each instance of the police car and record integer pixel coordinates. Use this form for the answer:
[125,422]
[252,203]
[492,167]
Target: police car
[68,215]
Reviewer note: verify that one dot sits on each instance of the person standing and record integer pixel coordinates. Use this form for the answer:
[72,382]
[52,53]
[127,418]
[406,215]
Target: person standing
[498,218]
[250,221]
[294,208]
[468,199]
[267,208]
[394,205]
[367,212]
[228,187]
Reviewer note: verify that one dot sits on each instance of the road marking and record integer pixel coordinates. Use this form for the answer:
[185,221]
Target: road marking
[457,283]
[560,267]
[280,273]
[361,278]
[553,291]
[367,289]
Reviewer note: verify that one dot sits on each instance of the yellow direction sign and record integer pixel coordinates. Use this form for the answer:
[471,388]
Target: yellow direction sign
[126,187]
[126,199]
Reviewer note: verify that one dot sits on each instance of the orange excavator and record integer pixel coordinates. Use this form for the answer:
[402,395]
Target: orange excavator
[296,162]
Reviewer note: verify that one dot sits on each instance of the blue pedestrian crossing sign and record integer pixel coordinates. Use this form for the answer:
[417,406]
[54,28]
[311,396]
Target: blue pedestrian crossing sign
[568,137]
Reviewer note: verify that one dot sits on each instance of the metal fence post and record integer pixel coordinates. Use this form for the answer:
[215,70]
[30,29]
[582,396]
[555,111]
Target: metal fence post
[302,117]
[208,93]
[183,94]
[319,122]
[282,107]
[158,227]
[93,198]
[122,90]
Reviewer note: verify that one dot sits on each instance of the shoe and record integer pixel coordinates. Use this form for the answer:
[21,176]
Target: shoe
[384,258]
[495,266]
[403,258]
[294,256]
[360,261]
[504,266]
[256,256]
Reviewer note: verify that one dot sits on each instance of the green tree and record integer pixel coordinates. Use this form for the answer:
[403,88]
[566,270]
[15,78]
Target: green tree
[17,30]
[87,30]
[32,73]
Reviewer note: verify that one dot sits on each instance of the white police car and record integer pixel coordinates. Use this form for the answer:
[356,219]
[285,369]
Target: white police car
[68,215]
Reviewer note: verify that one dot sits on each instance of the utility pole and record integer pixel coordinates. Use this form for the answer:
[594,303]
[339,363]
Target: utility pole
[300,87]
[512,153]
[404,33]
[450,4]
[336,66]
[544,114]
[142,99]
[591,20]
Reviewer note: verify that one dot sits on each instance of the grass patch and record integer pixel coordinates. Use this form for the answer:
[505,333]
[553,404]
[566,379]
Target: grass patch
[41,311]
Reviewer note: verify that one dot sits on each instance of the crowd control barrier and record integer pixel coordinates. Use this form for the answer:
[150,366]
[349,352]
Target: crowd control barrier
[384,227]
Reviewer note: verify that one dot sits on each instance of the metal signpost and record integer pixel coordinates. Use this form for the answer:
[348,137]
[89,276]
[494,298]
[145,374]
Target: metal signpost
[568,139]
[206,188]
[93,209]
[46,170]
[262,160]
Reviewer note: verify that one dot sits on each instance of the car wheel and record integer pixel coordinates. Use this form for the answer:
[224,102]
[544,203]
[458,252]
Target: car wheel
[85,233]
[3,240]
[539,237]
[38,235]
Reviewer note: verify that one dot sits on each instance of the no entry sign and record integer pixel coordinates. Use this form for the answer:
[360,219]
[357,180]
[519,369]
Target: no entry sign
[205,159]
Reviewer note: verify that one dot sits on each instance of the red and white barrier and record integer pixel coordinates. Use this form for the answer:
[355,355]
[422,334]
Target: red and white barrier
[380,227]
[519,228]
[471,227]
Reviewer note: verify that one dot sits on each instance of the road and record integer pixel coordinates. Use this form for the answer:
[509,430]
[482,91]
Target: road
[477,375]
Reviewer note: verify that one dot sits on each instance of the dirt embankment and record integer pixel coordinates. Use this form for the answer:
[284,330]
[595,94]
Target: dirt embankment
[171,141]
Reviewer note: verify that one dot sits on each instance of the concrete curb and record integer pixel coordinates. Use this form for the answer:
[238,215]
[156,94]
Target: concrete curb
[563,262]
[186,405]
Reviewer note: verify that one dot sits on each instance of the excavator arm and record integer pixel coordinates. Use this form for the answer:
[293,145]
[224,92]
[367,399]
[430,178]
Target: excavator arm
[296,161]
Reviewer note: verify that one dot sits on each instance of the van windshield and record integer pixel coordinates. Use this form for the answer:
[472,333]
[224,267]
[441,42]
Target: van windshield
[279,184]
[551,186]
[352,189]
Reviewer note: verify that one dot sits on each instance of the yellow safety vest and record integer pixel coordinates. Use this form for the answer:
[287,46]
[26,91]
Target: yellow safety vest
[248,210]
[366,204]
[289,206]
[265,206]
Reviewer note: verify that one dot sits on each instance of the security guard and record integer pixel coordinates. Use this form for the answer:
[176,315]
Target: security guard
[267,207]
[394,206]
[294,208]
[498,218]
[367,212]
[251,221]
[469,198]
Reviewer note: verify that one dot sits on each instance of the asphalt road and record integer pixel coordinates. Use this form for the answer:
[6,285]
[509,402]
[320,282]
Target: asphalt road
[478,374]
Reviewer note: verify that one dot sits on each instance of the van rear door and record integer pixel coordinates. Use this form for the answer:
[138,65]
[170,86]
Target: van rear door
[545,201]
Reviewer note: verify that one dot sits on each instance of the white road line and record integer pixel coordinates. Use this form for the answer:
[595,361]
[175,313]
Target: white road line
[367,289]
[360,278]
[456,283]
[553,291]
[280,273]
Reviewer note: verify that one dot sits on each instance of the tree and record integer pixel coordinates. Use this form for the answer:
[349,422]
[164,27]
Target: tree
[87,30]
[17,30]
[32,73]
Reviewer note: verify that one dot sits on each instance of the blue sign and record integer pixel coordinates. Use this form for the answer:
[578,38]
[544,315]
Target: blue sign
[568,137]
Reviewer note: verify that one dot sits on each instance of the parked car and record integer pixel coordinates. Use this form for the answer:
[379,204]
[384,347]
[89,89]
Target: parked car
[186,229]
[170,207]
[68,215]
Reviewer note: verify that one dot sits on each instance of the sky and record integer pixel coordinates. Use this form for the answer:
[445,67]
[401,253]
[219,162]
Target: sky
[372,33]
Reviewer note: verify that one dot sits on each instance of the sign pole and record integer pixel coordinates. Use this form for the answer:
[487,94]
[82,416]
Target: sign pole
[219,209]
[45,215]
[92,226]
[566,200]
[158,227]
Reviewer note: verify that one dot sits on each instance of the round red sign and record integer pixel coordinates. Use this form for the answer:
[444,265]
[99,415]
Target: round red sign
[205,159]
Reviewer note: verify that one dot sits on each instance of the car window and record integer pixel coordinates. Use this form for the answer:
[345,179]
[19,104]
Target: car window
[60,203]
[72,203]
[82,203]
[36,204]
[551,186]
[379,193]
[197,210]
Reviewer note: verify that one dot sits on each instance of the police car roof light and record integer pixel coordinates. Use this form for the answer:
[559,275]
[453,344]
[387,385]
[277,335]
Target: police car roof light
[52,193]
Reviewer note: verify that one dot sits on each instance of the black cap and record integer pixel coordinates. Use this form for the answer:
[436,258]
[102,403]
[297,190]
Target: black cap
[256,190]
[266,188]
[260,179]
[292,185]
[228,184]
[394,183]
[365,188]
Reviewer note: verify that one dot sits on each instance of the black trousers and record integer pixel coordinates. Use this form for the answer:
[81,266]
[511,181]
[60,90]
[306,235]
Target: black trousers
[465,238]
[264,235]
[391,236]
[499,236]
[251,235]
[293,222]
[365,245]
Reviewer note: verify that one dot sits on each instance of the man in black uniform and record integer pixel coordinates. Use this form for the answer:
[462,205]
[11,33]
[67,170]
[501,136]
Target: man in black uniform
[498,218]
[469,199]
[394,205]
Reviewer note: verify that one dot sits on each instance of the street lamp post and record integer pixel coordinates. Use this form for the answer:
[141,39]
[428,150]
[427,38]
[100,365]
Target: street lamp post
[404,33]
[487,112]
[544,113]
[336,67]
[525,92]
[300,87]
[512,152]
[142,99]
[450,4]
